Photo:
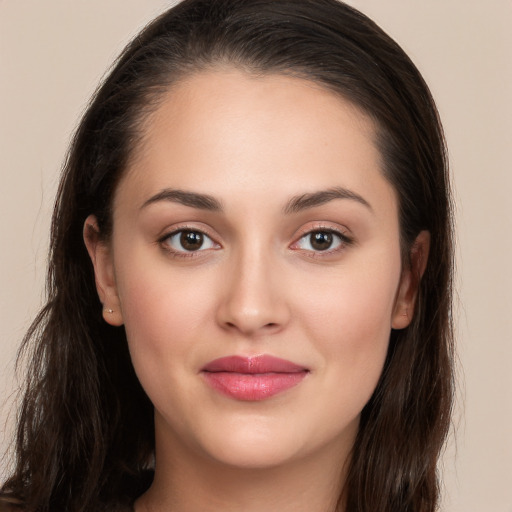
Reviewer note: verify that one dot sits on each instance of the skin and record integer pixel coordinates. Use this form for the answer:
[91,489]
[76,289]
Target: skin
[256,286]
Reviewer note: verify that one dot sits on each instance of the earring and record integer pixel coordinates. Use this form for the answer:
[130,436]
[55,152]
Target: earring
[108,310]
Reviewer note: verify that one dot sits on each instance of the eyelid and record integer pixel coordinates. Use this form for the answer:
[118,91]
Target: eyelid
[170,232]
[311,227]
[345,238]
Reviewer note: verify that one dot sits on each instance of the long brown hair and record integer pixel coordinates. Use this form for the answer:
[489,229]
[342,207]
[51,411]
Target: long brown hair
[85,435]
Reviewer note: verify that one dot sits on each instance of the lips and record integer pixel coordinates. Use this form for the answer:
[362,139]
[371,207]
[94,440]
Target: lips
[253,378]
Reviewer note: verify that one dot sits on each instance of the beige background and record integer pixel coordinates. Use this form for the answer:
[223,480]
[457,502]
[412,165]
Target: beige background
[53,53]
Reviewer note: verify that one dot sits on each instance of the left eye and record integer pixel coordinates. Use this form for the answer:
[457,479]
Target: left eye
[320,241]
[187,240]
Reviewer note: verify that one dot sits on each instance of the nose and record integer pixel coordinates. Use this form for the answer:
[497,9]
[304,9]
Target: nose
[253,301]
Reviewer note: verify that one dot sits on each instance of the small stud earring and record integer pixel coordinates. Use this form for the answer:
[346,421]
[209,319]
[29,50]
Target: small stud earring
[108,310]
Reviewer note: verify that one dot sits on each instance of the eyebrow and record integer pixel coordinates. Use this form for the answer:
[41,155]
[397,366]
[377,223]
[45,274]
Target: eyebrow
[294,205]
[313,199]
[192,199]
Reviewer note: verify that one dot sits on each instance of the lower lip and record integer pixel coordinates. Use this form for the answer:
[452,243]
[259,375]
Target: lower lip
[253,387]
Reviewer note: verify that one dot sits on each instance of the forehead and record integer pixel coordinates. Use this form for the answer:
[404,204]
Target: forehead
[224,131]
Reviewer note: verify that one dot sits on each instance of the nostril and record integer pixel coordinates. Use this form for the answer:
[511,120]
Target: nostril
[271,326]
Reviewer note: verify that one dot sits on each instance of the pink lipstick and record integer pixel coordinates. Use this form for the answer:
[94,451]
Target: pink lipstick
[253,378]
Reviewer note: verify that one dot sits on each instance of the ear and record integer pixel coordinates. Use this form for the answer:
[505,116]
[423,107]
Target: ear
[101,257]
[410,282]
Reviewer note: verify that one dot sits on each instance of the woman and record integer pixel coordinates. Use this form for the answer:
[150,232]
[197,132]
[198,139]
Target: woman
[250,276]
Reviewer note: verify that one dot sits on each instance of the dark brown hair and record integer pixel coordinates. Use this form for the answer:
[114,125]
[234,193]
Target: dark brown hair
[85,434]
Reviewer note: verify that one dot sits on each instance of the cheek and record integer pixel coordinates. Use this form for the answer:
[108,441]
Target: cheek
[356,300]
[349,316]
[163,312]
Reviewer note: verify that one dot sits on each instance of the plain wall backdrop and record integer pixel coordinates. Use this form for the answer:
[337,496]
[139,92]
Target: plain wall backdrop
[52,56]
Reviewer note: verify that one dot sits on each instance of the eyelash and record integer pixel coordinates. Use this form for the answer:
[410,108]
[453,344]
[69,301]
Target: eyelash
[343,242]
[164,242]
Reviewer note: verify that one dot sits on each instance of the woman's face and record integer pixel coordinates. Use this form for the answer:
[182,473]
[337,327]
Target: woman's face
[255,264]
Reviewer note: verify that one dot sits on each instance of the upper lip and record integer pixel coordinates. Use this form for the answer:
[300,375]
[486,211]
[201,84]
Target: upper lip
[253,364]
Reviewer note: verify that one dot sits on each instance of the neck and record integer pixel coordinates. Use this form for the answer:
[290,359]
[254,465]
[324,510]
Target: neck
[187,481]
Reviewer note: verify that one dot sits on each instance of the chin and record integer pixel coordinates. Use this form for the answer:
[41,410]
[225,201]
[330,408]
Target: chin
[254,457]
[263,444]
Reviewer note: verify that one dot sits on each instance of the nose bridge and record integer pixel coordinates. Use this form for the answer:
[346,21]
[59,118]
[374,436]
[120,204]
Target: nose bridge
[253,300]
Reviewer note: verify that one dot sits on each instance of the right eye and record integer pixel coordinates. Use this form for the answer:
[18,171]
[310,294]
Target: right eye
[187,241]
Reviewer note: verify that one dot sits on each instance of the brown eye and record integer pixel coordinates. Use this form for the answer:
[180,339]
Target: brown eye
[321,240]
[188,240]
[191,240]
